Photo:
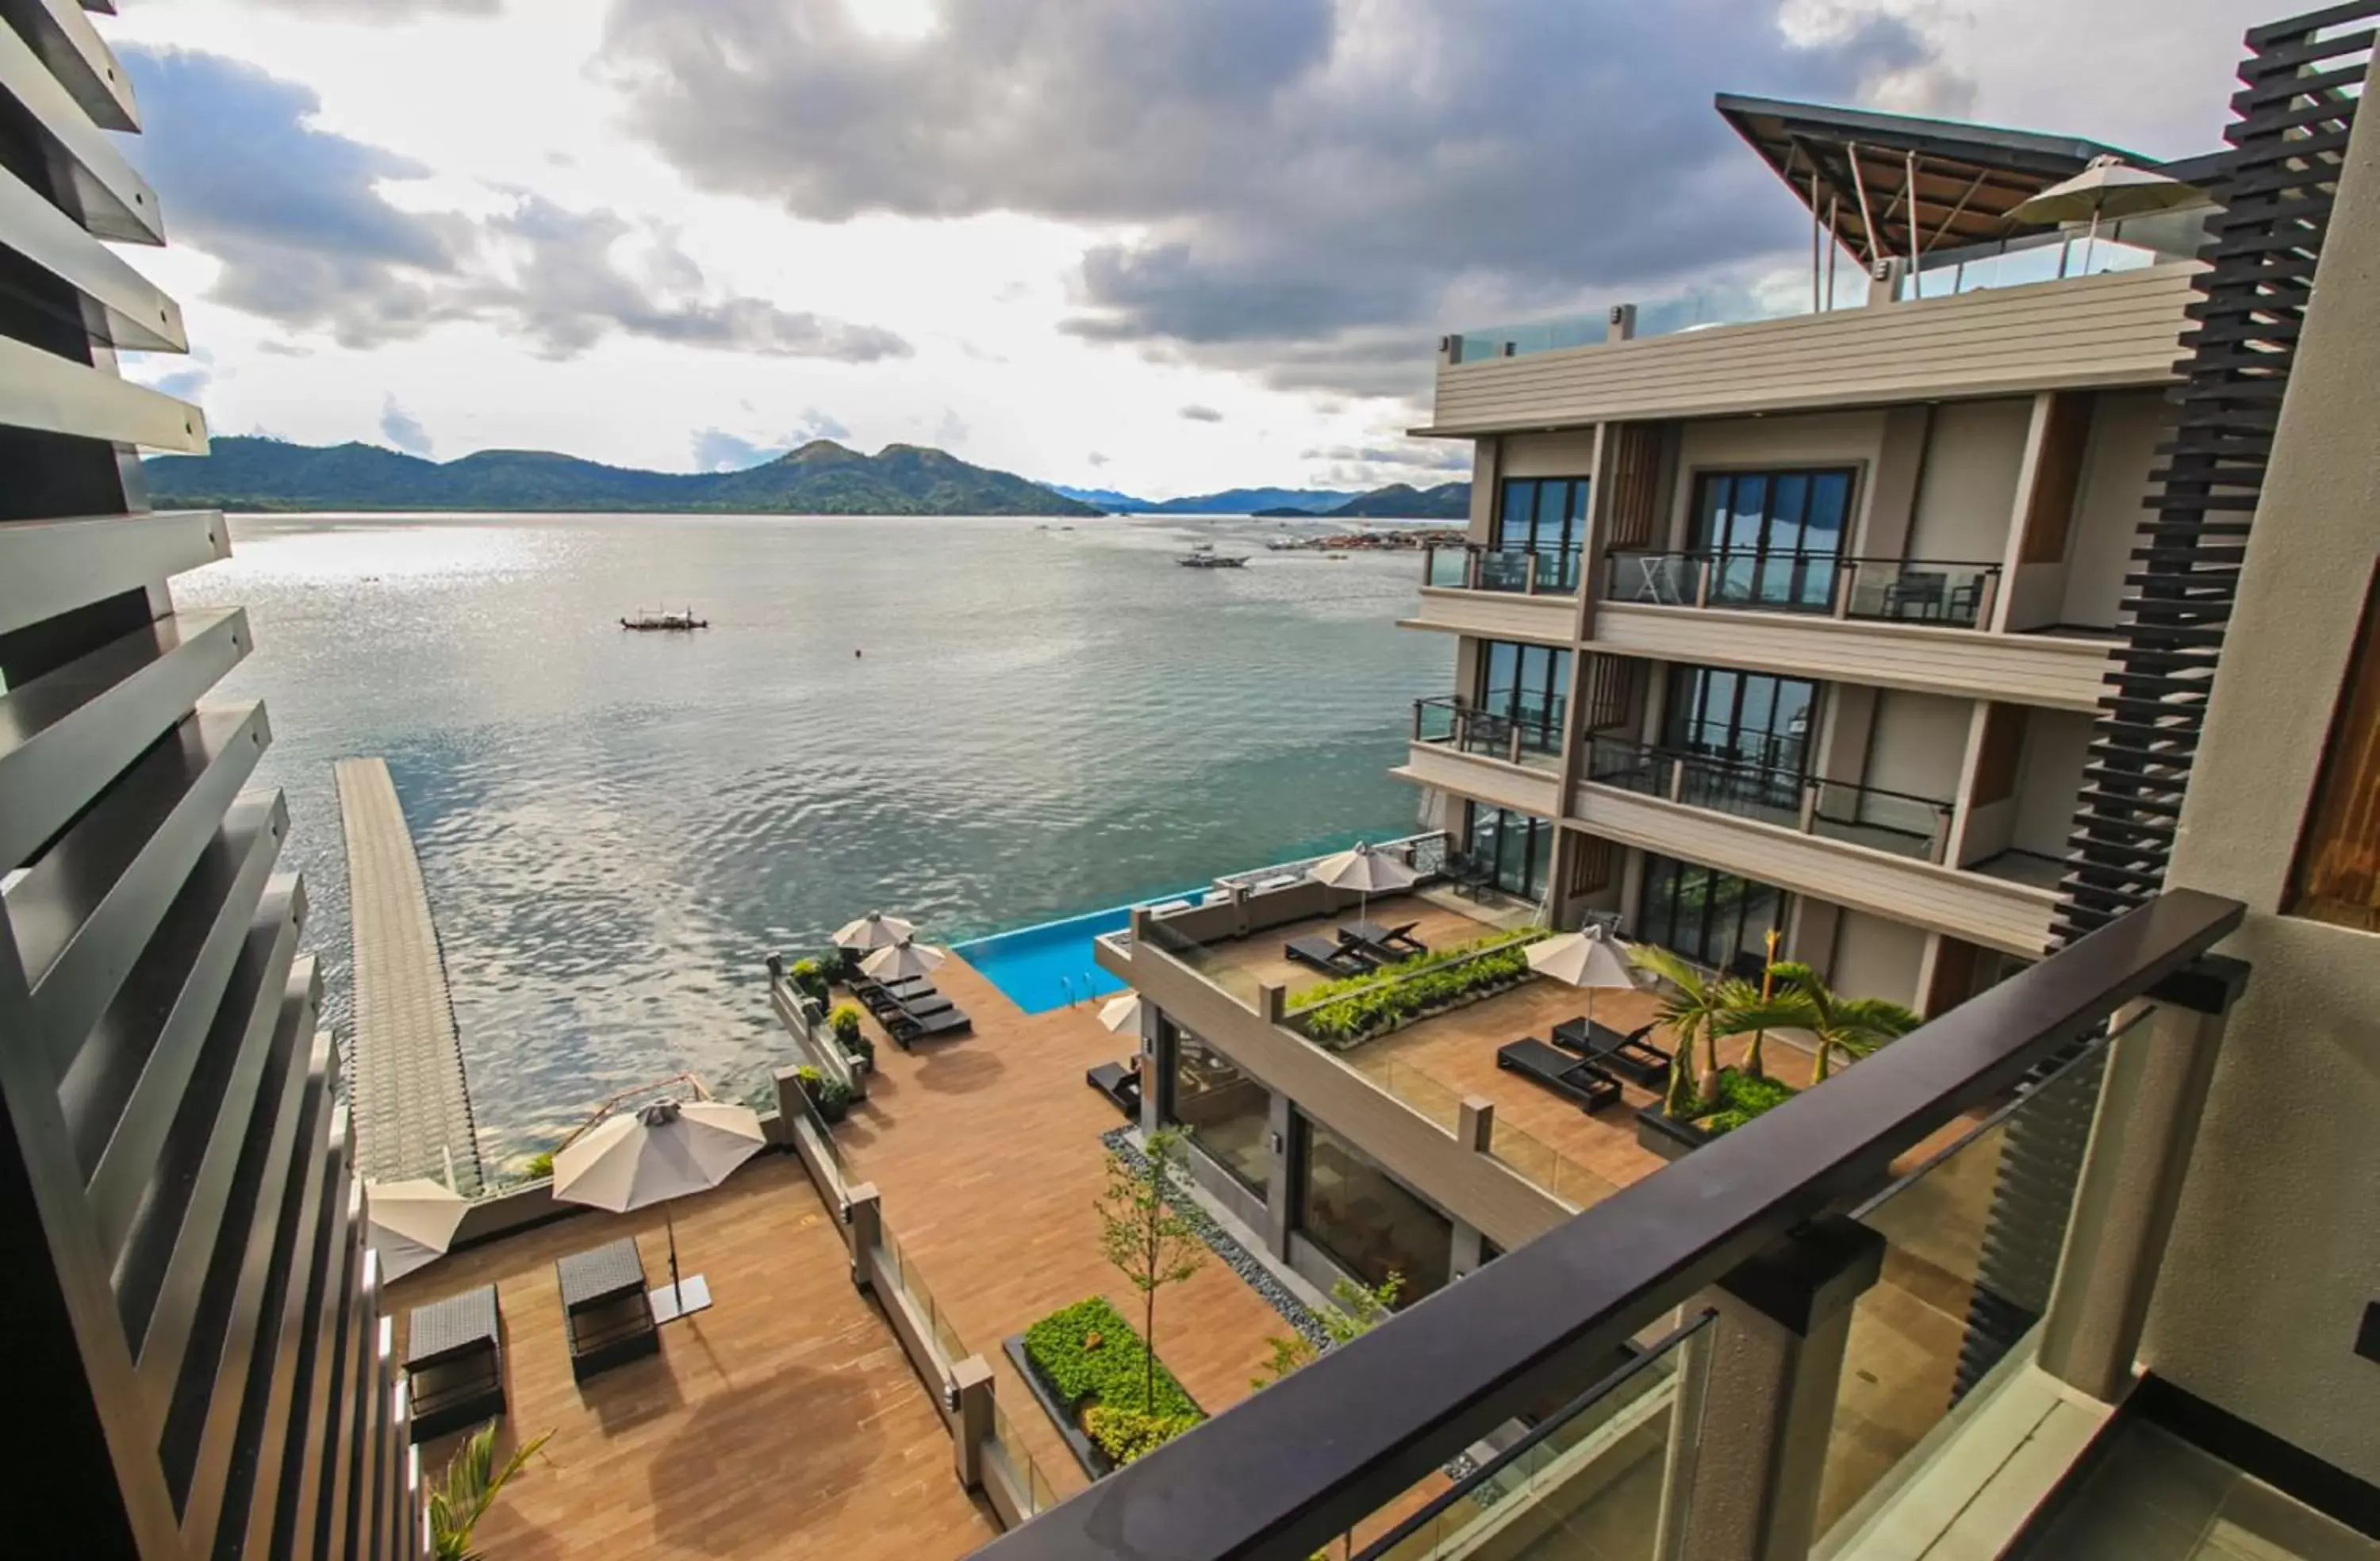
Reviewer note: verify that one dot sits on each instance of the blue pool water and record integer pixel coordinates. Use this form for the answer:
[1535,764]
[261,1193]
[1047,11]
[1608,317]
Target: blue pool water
[1047,966]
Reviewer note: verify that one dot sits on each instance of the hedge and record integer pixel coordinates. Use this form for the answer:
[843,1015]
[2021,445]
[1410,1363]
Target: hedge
[1096,1363]
[1358,1007]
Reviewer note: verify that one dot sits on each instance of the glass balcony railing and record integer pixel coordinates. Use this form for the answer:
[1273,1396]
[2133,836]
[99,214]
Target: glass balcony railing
[1475,568]
[1937,593]
[1532,738]
[1868,816]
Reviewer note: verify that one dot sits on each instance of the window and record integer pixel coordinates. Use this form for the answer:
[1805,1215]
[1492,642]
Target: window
[1529,685]
[1546,516]
[1712,918]
[1517,848]
[1366,1221]
[1775,538]
[1746,718]
[1229,1113]
[2338,861]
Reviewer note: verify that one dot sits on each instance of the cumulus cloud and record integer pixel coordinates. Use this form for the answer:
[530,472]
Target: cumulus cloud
[1095,458]
[1197,414]
[403,430]
[716,450]
[1316,187]
[297,215]
[1418,453]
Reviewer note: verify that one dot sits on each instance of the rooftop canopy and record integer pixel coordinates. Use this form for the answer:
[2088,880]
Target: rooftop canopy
[1854,168]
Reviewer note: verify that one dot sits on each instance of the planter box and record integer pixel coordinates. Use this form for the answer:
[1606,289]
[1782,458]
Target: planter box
[1095,1463]
[1670,1139]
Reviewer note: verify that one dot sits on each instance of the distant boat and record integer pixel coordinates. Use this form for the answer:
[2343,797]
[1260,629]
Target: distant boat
[677,623]
[1209,561]
[1202,547]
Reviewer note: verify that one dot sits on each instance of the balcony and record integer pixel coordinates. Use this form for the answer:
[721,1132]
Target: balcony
[1493,758]
[1923,624]
[1833,1253]
[1496,594]
[2092,331]
[1858,846]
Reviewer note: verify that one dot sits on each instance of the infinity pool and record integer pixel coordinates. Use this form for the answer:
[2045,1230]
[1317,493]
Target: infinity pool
[1047,966]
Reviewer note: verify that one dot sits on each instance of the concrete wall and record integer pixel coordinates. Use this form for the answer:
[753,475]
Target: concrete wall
[1877,958]
[1568,454]
[1918,745]
[1968,493]
[2057,744]
[2276,1251]
[2108,505]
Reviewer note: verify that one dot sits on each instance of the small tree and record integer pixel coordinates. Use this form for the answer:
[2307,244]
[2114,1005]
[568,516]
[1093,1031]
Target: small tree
[1360,1309]
[1850,1026]
[1141,1234]
[1693,1006]
[469,1488]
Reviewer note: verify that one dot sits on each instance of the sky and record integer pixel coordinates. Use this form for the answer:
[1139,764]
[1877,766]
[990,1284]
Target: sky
[1159,246]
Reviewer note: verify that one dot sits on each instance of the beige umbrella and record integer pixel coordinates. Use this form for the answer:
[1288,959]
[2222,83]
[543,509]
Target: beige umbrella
[1366,871]
[873,931]
[1591,960]
[411,1223]
[653,1154]
[2108,188]
[1120,1014]
[902,961]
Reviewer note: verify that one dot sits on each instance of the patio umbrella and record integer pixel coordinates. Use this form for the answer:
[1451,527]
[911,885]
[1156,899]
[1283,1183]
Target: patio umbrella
[873,931]
[658,1152]
[2108,188]
[411,1223]
[1591,960]
[1122,1013]
[1366,871]
[902,961]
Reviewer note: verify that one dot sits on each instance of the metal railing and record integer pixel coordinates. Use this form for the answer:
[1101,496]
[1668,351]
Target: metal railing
[1454,722]
[1424,854]
[1319,1454]
[1898,822]
[1934,592]
[1473,567]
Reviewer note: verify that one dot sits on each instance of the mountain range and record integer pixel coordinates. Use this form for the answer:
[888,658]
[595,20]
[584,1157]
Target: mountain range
[821,478]
[1230,501]
[1398,501]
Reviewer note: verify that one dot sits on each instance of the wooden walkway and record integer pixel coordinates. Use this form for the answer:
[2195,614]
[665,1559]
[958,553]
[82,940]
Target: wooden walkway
[784,1422]
[412,1109]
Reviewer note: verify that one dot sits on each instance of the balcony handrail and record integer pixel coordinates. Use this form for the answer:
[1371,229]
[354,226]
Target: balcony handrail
[1566,562]
[1424,852]
[1800,781]
[1464,710]
[1698,555]
[1304,1460]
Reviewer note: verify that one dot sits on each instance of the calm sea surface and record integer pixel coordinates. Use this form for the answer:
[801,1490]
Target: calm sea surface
[616,828]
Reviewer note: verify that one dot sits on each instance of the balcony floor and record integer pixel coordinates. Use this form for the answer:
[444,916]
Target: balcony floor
[785,1421]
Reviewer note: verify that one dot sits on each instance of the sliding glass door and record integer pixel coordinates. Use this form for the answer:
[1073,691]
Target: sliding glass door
[1545,517]
[1518,848]
[1775,539]
[1529,685]
[1712,918]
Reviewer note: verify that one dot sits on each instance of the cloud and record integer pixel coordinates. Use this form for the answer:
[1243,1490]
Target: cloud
[183,384]
[1425,456]
[1095,458]
[1197,414]
[716,450]
[305,237]
[952,431]
[386,10]
[403,430]
[1314,188]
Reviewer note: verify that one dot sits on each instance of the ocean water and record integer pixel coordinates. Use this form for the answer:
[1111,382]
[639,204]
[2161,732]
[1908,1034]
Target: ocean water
[980,724]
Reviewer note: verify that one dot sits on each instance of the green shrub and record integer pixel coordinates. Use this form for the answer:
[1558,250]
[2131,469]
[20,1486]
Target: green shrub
[1093,1359]
[1125,1434]
[809,979]
[1743,1096]
[540,1164]
[855,1041]
[1357,1007]
[832,1092]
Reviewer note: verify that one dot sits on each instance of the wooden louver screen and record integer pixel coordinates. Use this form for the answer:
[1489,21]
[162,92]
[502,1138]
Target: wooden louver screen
[2338,861]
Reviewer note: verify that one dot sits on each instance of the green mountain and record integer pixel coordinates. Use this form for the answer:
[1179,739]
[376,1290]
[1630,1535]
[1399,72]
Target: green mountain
[1402,500]
[821,478]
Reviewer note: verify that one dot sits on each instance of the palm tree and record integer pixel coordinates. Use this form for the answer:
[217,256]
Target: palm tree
[469,1489]
[1693,1005]
[1852,1026]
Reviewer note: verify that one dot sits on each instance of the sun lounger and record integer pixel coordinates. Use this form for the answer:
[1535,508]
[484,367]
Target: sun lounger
[1324,955]
[455,1364]
[1392,942]
[604,1309]
[1584,1082]
[881,1001]
[906,1027]
[1119,1082]
[1632,1055]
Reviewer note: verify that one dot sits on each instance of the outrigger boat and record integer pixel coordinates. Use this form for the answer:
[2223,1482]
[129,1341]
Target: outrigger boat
[647,622]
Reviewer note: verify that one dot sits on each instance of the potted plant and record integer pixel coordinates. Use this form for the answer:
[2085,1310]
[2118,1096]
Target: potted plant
[845,1022]
[831,1096]
[810,980]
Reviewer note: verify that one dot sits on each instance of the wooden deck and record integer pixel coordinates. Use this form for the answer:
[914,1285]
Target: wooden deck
[783,1421]
[986,1150]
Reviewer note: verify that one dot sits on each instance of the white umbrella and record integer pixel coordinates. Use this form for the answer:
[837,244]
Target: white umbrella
[653,1154]
[1365,870]
[873,931]
[1591,960]
[411,1223]
[1122,1013]
[2108,188]
[902,961]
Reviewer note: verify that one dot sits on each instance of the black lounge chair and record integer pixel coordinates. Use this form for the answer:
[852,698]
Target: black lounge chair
[924,1007]
[1119,1082]
[905,1027]
[1584,1082]
[1331,959]
[605,1309]
[1631,1056]
[1390,942]
[455,1364]
[883,1000]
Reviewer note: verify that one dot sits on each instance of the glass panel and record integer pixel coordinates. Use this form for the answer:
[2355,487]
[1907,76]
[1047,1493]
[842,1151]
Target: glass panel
[1952,595]
[1512,520]
[1630,765]
[1434,721]
[1450,567]
[1905,826]
[1367,1220]
[1503,667]
[1663,580]
[1770,796]
[1553,511]
[1506,571]
[1229,1113]
[1709,506]
[1900,1374]
[1748,515]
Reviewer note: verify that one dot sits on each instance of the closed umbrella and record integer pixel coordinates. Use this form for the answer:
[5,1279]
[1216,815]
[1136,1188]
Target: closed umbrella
[653,1154]
[1122,1013]
[1592,961]
[1366,871]
[902,961]
[873,931]
[411,1223]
